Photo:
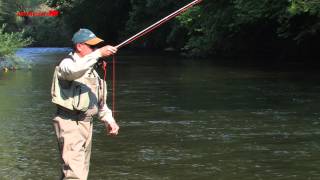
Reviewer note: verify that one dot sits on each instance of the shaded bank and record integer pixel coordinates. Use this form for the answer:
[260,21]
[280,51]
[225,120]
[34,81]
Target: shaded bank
[256,29]
[252,28]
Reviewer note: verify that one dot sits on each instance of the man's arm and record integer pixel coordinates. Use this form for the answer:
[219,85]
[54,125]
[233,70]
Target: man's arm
[105,115]
[71,70]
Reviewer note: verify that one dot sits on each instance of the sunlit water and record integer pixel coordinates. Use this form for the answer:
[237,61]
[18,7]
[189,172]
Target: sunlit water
[180,119]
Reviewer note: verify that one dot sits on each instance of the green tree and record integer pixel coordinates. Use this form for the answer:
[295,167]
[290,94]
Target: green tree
[221,27]
[47,31]
[146,12]
[301,20]
[250,26]
[105,17]
[7,14]
[10,42]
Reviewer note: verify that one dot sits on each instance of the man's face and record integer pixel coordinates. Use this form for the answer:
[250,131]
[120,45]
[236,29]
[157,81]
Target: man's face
[84,49]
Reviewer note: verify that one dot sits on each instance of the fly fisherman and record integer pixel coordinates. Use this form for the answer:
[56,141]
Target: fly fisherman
[79,94]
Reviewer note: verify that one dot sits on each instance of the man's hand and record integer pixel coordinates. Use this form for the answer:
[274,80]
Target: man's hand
[108,50]
[112,128]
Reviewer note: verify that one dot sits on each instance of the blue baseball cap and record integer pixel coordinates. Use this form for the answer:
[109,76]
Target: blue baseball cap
[86,36]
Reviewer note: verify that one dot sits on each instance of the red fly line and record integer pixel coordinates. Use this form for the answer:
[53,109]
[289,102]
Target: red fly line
[137,36]
[105,67]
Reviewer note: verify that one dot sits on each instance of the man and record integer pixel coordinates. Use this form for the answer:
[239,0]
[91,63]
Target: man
[79,93]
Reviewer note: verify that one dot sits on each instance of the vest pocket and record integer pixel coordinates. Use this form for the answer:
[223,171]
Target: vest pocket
[81,99]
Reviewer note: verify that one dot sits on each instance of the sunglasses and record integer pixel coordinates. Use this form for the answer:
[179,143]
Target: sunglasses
[97,46]
[91,46]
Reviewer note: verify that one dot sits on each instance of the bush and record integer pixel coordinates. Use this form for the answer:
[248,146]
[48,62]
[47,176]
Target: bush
[11,42]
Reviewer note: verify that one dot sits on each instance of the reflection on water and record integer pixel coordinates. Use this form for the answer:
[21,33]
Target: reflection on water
[180,119]
[39,55]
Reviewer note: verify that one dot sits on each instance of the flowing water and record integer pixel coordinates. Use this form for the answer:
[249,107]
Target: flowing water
[180,119]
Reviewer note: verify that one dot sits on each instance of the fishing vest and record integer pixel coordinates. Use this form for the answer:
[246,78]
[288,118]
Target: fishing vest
[85,94]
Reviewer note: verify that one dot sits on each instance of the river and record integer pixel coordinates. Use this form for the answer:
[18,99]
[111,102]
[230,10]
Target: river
[180,119]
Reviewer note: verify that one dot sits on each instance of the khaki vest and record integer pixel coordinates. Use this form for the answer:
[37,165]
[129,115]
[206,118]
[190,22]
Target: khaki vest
[83,94]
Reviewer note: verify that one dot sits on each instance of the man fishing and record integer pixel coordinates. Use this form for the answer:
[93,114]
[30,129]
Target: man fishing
[79,94]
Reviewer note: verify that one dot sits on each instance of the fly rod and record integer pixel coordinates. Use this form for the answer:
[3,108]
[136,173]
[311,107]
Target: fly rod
[139,35]
[158,24]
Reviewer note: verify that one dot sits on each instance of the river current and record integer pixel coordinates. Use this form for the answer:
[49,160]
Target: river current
[180,119]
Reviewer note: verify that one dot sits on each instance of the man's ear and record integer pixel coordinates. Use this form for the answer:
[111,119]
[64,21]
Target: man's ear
[78,47]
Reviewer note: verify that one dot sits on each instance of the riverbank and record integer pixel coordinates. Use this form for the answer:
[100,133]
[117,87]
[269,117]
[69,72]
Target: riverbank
[13,63]
[25,57]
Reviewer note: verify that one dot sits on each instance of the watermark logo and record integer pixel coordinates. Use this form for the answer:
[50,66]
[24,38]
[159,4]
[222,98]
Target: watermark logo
[51,13]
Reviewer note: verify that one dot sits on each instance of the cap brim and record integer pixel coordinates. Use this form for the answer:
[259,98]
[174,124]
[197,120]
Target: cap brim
[94,41]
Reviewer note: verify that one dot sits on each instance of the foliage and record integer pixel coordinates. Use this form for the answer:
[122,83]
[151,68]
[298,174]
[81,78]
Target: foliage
[6,15]
[301,20]
[144,13]
[48,31]
[45,31]
[221,27]
[10,42]
[8,9]
[250,26]
[2,11]
[106,19]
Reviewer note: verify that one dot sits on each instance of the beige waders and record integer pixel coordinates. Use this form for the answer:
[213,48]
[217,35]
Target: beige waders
[74,140]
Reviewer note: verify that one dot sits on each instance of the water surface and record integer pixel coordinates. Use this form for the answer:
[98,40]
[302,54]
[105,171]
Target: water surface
[180,119]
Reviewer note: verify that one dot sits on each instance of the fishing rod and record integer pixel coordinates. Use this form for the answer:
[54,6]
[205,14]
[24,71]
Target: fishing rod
[139,35]
[158,24]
